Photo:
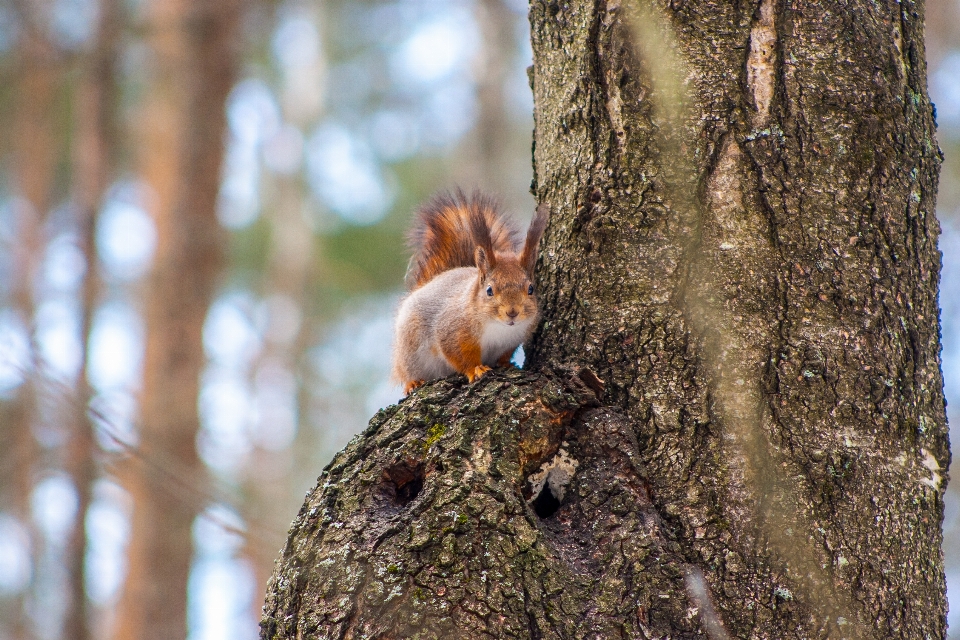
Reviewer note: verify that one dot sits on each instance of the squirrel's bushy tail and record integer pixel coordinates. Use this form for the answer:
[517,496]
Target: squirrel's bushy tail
[448,229]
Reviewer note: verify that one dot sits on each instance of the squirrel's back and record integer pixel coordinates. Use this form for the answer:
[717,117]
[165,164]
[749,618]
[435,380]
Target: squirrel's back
[447,230]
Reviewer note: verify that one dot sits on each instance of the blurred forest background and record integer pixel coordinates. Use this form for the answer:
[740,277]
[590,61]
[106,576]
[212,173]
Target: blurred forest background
[202,209]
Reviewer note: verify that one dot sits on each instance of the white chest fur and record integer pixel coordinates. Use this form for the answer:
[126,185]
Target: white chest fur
[499,338]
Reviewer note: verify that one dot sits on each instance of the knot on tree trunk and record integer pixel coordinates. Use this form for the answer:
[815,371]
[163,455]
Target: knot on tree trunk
[512,508]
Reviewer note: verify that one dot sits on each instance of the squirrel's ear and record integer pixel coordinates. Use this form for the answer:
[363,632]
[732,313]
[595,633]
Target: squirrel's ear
[528,257]
[483,263]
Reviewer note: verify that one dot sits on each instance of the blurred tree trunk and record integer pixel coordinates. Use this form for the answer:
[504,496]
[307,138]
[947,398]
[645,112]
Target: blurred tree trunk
[490,140]
[733,424]
[35,134]
[92,165]
[193,62]
[494,149]
[272,476]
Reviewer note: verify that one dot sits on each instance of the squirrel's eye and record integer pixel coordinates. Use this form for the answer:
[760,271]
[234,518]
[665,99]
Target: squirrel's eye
[489,291]
[530,290]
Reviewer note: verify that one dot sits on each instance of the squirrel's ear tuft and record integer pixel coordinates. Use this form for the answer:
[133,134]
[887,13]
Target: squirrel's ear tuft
[482,261]
[528,257]
[484,256]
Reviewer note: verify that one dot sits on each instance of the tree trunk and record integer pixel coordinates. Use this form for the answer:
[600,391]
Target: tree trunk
[734,392]
[194,61]
[35,141]
[269,481]
[92,167]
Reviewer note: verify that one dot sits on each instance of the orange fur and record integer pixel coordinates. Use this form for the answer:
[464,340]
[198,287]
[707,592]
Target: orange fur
[465,354]
[528,257]
[471,290]
[410,386]
[449,228]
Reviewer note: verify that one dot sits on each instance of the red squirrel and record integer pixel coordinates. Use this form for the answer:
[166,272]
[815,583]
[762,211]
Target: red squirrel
[472,300]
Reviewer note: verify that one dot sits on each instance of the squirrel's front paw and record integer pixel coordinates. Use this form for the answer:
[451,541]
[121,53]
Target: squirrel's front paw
[476,372]
[413,384]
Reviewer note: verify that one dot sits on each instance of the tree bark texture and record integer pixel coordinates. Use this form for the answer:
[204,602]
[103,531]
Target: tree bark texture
[734,393]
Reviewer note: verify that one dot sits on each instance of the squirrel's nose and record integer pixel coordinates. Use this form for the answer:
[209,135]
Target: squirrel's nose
[512,313]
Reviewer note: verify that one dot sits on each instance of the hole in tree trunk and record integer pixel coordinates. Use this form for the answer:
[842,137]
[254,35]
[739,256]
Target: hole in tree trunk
[545,504]
[548,487]
[407,492]
[403,481]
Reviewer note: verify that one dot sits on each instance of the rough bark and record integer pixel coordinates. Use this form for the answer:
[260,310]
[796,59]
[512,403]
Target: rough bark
[194,65]
[742,263]
[423,527]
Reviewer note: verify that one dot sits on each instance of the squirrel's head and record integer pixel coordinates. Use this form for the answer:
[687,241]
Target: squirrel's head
[506,290]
